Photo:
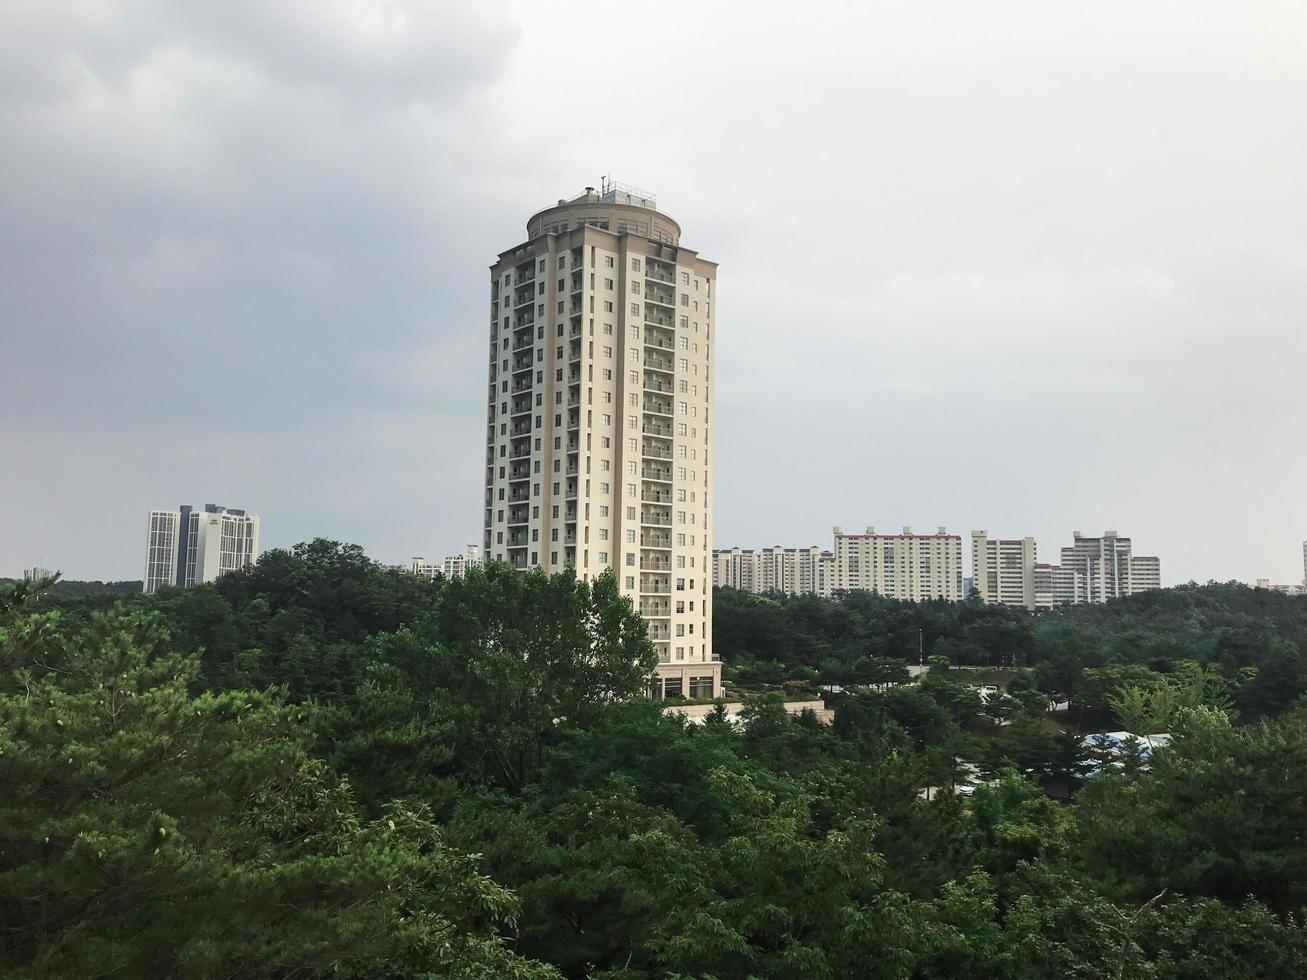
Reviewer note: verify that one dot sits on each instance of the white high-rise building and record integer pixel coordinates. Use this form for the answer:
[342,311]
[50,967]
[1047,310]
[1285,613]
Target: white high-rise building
[187,547]
[1096,570]
[907,566]
[599,415]
[792,571]
[1003,569]
[449,567]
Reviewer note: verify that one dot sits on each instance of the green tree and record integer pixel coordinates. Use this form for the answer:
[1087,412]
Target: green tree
[145,831]
[516,655]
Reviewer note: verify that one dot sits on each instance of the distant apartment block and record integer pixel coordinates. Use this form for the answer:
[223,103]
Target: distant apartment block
[449,567]
[900,566]
[1003,570]
[909,566]
[1096,570]
[36,573]
[188,547]
[791,571]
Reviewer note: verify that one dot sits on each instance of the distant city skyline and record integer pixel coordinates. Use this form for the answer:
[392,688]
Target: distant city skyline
[1056,279]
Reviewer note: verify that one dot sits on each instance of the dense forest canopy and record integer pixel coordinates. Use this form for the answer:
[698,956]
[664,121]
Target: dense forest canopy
[322,767]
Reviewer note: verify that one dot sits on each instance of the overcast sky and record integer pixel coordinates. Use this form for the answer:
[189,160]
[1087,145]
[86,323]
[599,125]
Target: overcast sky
[1025,266]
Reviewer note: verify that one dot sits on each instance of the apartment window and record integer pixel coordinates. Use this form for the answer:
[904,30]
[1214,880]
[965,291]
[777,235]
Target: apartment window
[632,421]
[680,585]
[603,558]
[685,279]
[630,467]
[553,557]
[683,343]
[630,536]
[608,374]
[608,261]
[608,352]
[630,513]
[605,442]
[603,488]
[630,558]
[630,581]
[608,284]
[608,329]
[608,306]
[680,538]
[685,299]
[635,288]
[630,489]
[635,309]
[680,629]
[635,265]
[603,510]
[606,419]
[603,465]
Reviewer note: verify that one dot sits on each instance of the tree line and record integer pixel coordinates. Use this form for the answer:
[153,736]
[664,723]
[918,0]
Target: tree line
[321,767]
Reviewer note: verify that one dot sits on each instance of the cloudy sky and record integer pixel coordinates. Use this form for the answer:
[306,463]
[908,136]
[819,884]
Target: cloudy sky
[1020,266]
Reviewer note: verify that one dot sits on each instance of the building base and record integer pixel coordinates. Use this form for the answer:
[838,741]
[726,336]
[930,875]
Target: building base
[692,681]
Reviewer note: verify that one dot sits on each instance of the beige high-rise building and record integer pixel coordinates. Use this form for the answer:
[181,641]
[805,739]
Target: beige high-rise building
[598,440]
[908,566]
[1003,569]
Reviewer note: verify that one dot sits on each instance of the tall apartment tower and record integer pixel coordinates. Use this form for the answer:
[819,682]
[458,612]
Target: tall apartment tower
[1003,569]
[599,414]
[186,547]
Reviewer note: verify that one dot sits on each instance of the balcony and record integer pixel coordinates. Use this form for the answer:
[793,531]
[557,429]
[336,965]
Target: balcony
[666,364]
[653,384]
[657,294]
[655,541]
[654,429]
[657,274]
[662,474]
[656,497]
[655,518]
[658,317]
[658,406]
[655,610]
[655,565]
[654,452]
[659,343]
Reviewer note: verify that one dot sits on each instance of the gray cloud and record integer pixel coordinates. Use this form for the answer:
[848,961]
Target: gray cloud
[1016,266]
